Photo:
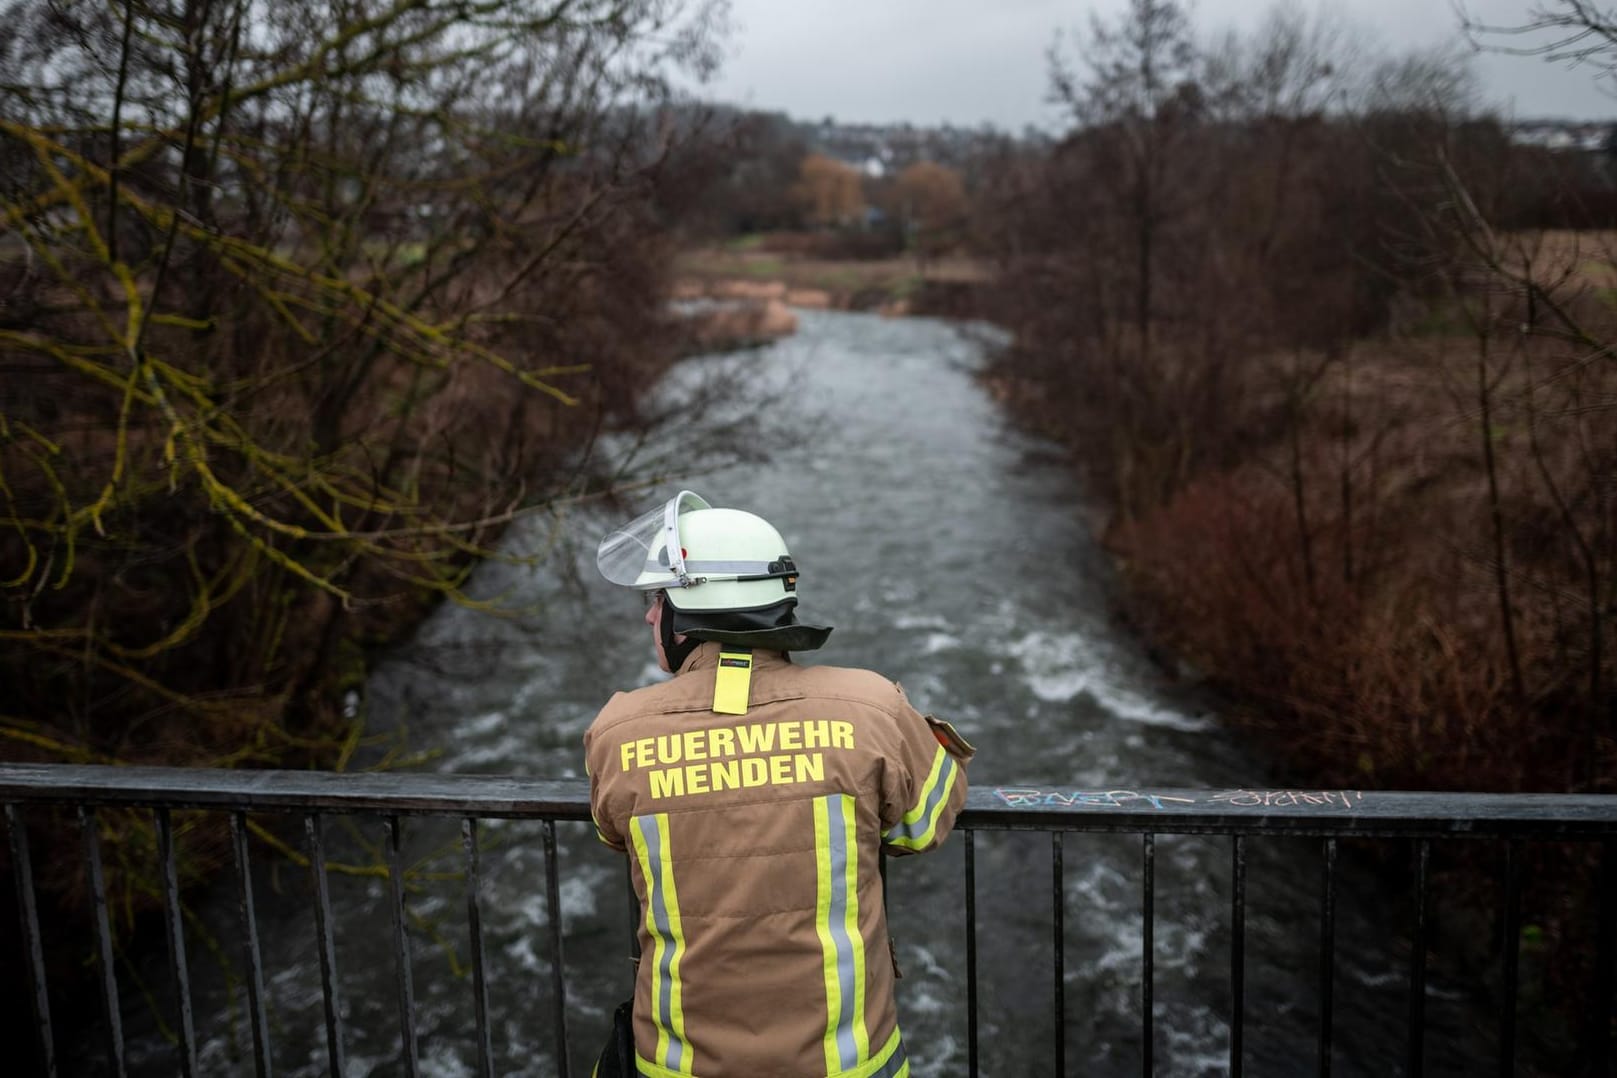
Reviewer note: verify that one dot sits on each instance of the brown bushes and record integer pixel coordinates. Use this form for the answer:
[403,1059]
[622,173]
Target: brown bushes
[1354,433]
[1356,438]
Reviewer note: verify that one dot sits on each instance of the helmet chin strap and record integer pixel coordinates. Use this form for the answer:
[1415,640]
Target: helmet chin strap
[675,652]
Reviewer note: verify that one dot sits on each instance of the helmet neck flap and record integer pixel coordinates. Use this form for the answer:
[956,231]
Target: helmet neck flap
[774,628]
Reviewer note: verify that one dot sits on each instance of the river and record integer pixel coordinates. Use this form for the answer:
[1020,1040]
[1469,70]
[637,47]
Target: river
[947,549]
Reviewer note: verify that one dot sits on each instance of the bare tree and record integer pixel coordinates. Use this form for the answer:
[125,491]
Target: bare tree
[1140,86]
[309,299]
[1576,32]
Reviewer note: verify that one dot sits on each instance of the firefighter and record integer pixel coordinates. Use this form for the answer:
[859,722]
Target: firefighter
[753,797]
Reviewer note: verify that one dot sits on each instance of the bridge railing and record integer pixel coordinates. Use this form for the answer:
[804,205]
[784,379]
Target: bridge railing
[1328,815]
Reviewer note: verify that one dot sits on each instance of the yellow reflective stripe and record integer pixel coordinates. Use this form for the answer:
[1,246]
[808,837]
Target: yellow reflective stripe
[822,927]
[915,830]
[651,848]
[836,921]
[861,1035]
[646,873]
[600,832]
[891,1062]
[677,985]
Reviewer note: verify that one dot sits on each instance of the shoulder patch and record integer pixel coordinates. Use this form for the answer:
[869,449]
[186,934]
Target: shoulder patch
[950,739]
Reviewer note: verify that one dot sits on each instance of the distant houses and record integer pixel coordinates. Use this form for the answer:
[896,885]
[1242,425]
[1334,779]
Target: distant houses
[1592,136]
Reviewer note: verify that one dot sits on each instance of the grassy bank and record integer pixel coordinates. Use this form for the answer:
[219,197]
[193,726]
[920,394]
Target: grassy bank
[806,264]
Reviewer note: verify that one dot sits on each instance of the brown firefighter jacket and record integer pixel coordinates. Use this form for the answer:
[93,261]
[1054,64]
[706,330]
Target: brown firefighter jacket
[754,841]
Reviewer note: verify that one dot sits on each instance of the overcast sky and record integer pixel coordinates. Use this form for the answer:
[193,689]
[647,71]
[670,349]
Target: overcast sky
[969,62]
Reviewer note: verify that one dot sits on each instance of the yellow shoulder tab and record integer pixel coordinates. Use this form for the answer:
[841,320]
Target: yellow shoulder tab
[734,682]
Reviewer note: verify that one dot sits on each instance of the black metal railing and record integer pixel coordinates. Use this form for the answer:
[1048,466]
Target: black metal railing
[1329,816]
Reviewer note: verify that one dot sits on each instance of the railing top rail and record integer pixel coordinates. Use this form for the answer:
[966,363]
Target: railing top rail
[297,791]
[1031,807]
[1300,811]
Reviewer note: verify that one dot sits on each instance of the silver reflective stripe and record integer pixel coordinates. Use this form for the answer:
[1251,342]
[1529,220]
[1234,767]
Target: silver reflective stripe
[657,896]
[740,568]
[836,809]
[911,830]
[893,1064]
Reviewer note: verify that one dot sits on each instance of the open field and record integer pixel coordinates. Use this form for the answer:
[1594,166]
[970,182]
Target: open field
[848,282]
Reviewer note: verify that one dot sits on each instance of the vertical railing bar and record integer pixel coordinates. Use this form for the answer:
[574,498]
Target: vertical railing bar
[1510,954]
[176,940]
[91,830]
[408,1051]
[250,948]
[1327,955]
[558,980]
[1148,928]
[1417,965]
[1058,945]
[313,826]
[1237,951]
[28,913]
[474,922]
[971,952]
[1600,1003]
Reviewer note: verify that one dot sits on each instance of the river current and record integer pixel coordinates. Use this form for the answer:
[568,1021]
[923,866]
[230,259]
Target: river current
[948,550]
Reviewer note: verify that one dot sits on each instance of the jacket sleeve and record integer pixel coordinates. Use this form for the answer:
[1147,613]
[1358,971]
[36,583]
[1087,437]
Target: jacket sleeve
[597,757]
[924,781]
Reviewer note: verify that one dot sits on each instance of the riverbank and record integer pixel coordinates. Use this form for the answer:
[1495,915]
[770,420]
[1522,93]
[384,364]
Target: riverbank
[778,268]
[1391,558]
[1337,578]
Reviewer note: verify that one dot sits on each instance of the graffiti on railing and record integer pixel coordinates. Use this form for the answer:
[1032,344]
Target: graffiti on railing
[1289,798]
[1027,796]
[1037,796]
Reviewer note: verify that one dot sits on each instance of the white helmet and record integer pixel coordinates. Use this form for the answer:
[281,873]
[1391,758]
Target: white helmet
[705,558]
[726,572]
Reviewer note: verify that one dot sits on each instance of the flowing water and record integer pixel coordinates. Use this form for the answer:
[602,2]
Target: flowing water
[947,549]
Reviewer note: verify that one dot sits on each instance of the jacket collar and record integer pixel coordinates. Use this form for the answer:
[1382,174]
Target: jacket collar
[706,656]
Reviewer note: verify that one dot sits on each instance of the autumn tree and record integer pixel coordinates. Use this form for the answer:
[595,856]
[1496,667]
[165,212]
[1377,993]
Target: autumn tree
[930,200]
[829,191]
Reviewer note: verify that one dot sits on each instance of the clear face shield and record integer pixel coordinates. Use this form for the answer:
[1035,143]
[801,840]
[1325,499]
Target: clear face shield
[645,553]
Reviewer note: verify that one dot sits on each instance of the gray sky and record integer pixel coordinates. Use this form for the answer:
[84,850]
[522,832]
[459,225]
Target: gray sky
[969,62]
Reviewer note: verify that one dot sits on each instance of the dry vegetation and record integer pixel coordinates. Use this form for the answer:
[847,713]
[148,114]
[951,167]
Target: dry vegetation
[1350,596]
[806,261]
[1356,429]
[1351,401]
